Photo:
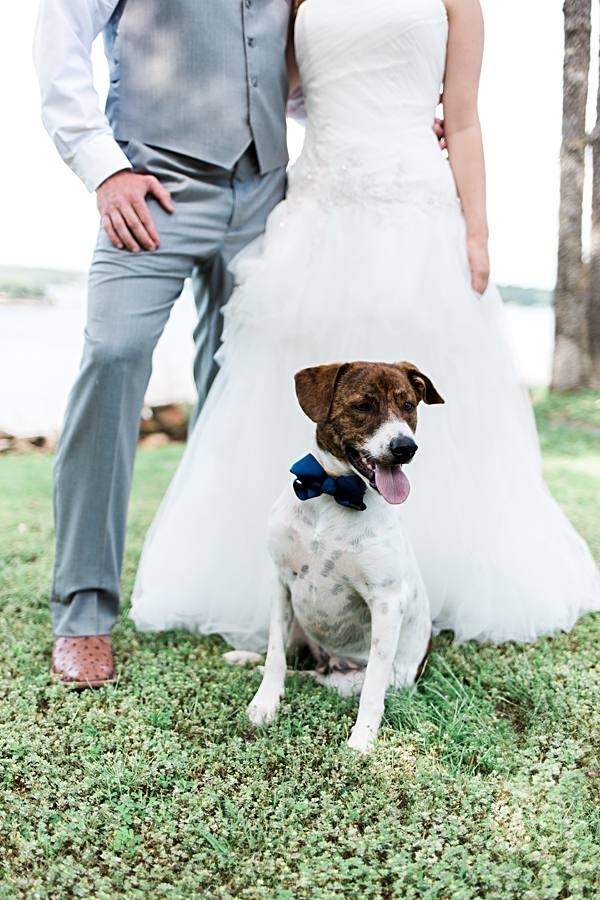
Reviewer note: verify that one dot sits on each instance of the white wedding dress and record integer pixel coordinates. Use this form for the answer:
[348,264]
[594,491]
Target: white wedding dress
[366,259]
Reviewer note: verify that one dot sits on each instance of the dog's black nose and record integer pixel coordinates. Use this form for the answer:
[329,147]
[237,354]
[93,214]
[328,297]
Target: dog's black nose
[403,448]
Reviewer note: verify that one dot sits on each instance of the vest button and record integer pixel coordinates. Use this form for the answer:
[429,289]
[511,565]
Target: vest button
[251,42]
[254,81]
[248,4]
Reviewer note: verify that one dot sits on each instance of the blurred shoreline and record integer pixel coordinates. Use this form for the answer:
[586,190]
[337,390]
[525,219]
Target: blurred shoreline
[41,339]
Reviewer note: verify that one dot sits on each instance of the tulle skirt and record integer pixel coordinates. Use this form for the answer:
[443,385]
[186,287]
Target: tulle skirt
[356,281]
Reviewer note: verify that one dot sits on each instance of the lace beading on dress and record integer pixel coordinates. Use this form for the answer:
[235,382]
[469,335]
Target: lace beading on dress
[350,184]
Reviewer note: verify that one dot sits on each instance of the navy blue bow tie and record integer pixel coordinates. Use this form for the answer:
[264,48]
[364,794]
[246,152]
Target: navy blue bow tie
[312,480]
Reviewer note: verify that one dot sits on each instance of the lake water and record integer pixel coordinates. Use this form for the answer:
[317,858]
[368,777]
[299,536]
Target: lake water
[40,348]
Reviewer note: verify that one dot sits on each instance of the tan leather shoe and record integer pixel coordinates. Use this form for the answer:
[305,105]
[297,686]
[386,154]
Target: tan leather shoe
[83,662]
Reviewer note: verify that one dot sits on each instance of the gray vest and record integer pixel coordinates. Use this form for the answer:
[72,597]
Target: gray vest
[200,77]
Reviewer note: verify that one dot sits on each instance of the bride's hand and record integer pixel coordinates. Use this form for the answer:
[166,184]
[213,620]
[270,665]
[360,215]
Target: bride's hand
[479,262]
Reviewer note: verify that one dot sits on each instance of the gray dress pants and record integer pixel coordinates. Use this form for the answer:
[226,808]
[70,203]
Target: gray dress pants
[130,295]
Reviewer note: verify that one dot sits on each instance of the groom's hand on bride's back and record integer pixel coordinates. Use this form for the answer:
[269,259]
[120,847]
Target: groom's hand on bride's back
[438,130]
[124,212]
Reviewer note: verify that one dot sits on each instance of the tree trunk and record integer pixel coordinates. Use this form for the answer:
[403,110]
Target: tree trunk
[571,353]
[594,267]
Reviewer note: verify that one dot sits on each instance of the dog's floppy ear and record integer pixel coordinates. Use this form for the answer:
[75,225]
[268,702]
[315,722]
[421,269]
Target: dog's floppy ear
[314,389]
[423,385]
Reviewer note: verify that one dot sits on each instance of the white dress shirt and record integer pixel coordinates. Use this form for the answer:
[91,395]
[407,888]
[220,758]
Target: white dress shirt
[71,113]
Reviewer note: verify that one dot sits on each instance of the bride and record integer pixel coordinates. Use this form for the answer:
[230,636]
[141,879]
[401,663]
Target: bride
[379,252]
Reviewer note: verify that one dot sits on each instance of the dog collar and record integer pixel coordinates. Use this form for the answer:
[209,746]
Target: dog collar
[312,480]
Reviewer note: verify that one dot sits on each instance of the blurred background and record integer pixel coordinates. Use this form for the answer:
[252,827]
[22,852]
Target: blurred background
[48,221]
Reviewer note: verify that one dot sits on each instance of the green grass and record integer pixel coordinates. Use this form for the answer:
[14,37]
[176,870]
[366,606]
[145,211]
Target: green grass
[484,784]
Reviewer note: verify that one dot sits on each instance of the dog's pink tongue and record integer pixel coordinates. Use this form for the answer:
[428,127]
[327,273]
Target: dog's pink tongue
[392,483]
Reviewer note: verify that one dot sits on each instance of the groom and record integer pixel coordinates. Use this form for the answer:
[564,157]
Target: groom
[187,163]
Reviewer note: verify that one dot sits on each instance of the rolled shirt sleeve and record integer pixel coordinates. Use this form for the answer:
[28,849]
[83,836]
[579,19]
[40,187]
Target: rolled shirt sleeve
[71,113]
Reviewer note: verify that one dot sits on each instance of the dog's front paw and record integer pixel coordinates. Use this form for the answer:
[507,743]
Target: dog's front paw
[362,740]
[263,708]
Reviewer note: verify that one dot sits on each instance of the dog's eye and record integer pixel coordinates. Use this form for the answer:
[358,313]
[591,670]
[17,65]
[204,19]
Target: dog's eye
[408,406]
[365,407]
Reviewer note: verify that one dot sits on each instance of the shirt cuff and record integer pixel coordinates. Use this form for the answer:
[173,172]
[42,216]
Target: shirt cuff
[295,106]
[97,159]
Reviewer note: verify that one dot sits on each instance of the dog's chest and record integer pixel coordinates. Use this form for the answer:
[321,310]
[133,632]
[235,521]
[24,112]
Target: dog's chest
[332,562]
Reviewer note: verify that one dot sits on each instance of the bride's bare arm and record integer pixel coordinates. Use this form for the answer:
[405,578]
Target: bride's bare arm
[463,131]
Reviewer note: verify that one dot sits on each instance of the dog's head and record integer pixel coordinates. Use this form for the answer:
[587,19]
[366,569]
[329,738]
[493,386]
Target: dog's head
[366,417]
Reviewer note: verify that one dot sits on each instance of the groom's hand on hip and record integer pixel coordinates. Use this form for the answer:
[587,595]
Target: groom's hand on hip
[124,212]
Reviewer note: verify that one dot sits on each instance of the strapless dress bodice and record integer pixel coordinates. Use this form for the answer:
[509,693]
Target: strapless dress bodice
[371,74]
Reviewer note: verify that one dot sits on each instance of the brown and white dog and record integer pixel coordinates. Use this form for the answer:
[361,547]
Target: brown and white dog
[347,583]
